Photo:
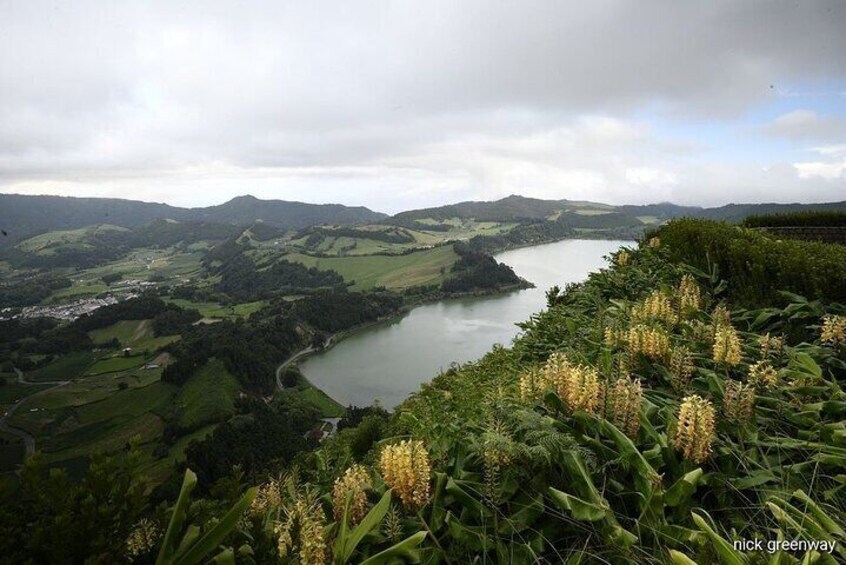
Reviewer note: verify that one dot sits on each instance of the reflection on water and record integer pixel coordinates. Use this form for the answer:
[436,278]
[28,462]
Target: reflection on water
[388,361]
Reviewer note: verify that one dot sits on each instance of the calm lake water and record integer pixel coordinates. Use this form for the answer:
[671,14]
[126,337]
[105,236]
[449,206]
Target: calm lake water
[388,361]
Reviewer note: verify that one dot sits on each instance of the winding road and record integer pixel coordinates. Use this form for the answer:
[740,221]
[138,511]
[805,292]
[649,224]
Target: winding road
[293,358]
[28,439]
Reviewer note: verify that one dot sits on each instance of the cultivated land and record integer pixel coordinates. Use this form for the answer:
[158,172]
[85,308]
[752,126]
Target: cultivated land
[396,272]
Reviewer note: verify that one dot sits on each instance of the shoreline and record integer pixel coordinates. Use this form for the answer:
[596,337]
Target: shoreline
[431,298]
[306,352]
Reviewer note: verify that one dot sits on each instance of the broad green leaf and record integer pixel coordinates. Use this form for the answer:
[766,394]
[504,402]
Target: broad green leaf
[681,490]
[679,558]
[218,533]
[405,550]
[174,527]
[728,555]
[822,517]
[580,509]
[225,557]
[523,518]
[464,498]
[347,542]
[646,476]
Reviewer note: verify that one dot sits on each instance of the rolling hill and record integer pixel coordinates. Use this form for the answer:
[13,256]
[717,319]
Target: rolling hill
[24,216]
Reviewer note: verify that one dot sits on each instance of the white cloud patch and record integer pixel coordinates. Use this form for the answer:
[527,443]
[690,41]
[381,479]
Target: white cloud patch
[832,167]
[807,125]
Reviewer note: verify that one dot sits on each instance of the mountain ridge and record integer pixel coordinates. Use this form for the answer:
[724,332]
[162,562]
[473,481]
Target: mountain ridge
[23,216]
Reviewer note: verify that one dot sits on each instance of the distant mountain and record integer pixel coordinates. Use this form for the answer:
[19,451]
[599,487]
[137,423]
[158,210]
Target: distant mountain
[24,216]
[586,214]
[510,208]
[246,210]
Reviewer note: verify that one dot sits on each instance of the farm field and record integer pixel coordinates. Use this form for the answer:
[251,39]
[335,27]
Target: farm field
[392,272]
[137,334]
[217,310]
[65,368]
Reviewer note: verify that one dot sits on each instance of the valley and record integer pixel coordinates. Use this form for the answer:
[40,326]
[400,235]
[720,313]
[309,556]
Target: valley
[234,350]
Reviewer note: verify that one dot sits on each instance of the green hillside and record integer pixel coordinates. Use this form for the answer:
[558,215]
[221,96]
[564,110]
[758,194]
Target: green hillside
[395,272]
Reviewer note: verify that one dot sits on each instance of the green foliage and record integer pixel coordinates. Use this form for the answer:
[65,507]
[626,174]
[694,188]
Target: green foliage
[52,519]
[477,271]
[798,219]
[755,265]
[195,545]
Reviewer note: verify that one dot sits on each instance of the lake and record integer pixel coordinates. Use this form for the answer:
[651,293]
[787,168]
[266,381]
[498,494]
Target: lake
[386,362]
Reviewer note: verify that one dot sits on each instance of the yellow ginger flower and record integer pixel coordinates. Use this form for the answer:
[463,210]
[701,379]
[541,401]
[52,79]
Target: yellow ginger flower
[302,531]
[580,388]
[614,337]
[353,483]
[623,258]
[833,330]
[720,317]
[762,375]
[556,372]
[623,402]
[268,498]
[405,468]
[681,368]
[738,402]
[771,345]
[656,306]
[688,295]
[695,428]
[727,346]
[654,242]
[533,383]
[142,539]
[651,342]
[621,366]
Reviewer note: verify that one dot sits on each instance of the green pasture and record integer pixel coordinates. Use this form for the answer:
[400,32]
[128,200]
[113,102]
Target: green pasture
[208,396]
[393,272]
[137,334]
[217,310]
[64,368]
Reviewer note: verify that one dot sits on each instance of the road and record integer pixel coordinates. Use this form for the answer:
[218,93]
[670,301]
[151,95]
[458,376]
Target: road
[28,439]
[293,358]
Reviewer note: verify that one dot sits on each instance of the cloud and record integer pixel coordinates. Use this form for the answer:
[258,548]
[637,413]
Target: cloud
[807,125]
[398,105]
[831,167]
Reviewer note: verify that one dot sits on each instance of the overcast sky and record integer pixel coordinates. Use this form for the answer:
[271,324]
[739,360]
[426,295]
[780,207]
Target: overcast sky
[397,105]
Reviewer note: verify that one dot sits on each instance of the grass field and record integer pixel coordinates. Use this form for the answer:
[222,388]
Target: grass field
[137,334]
[393,272]
[158,470]
[208,396]
[43,244]
[12,392]
[216,310]
[115,364]
[65,368]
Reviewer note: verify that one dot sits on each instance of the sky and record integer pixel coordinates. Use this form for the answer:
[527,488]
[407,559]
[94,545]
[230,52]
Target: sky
[398,105]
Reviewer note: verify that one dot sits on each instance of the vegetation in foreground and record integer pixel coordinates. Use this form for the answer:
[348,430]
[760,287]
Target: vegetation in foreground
[645,416]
